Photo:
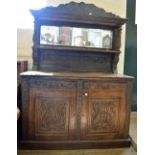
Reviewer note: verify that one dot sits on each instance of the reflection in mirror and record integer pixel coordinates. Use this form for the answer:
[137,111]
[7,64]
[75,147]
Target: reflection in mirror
[71,36]
[49,35]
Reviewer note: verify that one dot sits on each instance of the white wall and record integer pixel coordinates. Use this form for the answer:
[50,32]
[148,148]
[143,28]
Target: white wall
[24,45]
[24,36]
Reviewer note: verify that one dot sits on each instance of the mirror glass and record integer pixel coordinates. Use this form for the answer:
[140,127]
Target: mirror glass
[72,36]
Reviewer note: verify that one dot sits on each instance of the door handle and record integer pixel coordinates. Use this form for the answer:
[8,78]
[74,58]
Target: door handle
[85,94]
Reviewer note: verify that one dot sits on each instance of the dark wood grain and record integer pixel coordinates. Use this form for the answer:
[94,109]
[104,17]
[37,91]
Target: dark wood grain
[57,61]
[52,110]
[68,108]
[57,58]
[74,97]
[70,11]
[118,143]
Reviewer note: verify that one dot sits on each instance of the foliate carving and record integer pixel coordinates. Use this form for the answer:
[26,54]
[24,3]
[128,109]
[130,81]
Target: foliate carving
[117,41]
[53,84]
[56,57]
[51,114]
[74,61]
[102,85]
[115,62]
[104,114]
[72,8]
[116,46]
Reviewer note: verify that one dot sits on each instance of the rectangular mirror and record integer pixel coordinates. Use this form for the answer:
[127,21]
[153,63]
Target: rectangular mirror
[72,36]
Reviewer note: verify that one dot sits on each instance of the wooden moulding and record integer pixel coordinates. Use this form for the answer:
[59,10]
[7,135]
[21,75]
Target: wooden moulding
[74,144]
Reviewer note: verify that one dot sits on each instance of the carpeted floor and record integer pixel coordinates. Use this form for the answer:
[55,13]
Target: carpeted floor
[133,129]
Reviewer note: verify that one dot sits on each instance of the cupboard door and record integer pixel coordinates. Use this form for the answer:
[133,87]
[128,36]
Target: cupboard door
[104,110]
[52,110]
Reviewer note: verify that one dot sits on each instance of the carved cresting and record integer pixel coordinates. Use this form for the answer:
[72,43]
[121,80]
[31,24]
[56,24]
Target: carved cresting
[104,114]
[51,115]
[72,8]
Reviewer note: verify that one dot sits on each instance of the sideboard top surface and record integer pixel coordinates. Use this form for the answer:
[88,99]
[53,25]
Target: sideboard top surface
[71,75]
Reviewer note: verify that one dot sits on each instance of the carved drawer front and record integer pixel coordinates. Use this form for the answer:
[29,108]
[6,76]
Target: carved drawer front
[52,113]
[103,110]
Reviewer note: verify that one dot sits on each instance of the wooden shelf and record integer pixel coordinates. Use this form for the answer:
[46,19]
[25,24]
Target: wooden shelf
[75,48]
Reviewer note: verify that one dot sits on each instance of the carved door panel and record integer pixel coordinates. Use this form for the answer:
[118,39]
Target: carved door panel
[104,108]
[52,110]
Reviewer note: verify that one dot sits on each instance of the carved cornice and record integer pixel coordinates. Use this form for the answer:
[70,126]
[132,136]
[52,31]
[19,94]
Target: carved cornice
[74,10]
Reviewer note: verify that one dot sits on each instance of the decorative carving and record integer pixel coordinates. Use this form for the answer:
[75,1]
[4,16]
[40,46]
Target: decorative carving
[74,61]
[50,59]
[72,8]
[99,85]
[51,114]
[54,84]
[115,62]
[116,45]
[89,16]
[117,39]
[58,117]
[104,114]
